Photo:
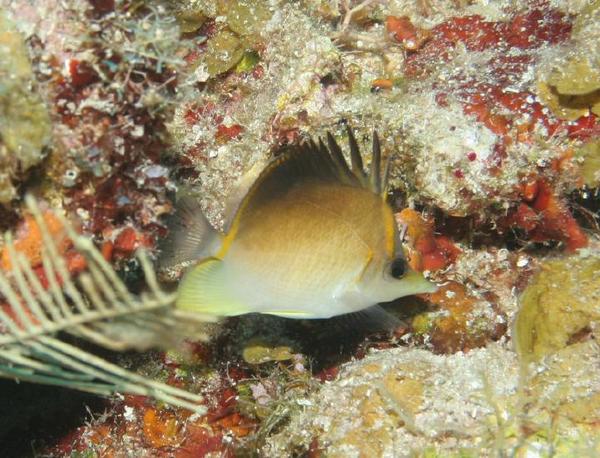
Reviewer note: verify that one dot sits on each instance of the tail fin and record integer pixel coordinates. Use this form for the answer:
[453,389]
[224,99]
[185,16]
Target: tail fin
[206,290]
[191,237]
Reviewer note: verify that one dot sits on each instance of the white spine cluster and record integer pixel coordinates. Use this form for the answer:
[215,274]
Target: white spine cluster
[91,306]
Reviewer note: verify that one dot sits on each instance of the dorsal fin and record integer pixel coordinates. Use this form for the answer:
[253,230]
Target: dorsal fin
[313,161]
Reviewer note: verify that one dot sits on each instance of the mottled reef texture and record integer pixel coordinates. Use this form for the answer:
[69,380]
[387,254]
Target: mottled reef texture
[489,111]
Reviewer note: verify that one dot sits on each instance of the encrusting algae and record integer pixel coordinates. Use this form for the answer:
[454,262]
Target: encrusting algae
[571,85]
[24,120]
[560,306]
[313,238]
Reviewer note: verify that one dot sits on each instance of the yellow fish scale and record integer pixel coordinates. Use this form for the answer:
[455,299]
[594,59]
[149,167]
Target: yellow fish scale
[316,236]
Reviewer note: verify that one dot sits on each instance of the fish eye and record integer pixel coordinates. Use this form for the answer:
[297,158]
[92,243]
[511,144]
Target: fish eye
[398,268]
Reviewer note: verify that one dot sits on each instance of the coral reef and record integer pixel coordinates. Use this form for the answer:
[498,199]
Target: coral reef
[560,305]
[488,112]
[24,120]
[408,402]
[110,85]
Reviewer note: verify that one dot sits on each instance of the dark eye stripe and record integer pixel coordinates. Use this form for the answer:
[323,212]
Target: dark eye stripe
[398,267]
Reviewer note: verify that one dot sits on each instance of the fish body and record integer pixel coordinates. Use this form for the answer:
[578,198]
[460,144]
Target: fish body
[313,238]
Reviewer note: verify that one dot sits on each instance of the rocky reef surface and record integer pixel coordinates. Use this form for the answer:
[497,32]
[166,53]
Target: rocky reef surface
[489,111]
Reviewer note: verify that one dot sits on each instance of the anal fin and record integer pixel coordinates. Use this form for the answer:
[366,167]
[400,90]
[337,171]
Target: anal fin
[296,314]
[374,319]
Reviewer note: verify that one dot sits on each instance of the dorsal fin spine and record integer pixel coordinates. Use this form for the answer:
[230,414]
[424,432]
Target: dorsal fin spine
[385,177]
[338,158]
[375,170]
[356,158]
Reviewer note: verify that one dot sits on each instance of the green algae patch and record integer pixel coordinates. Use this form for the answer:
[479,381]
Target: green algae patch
[224,51]
[590,14]
[233,46]
[561,302]
[589,154]
[422,323]
[571,85]
[190,20]
[248,62]
[573,89]
[579,77]
[24,121]
[246,17]
[259,352]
